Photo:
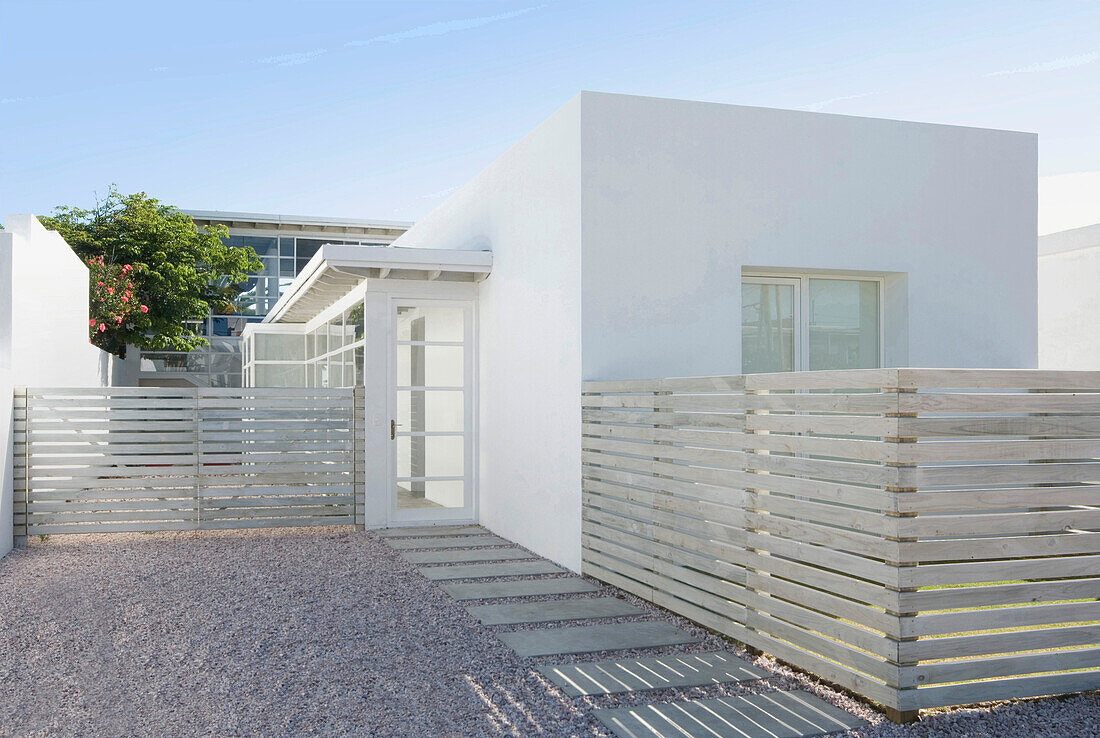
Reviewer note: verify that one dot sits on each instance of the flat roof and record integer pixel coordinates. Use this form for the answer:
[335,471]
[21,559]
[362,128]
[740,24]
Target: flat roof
[297,222]
[336,269]
[1071,240]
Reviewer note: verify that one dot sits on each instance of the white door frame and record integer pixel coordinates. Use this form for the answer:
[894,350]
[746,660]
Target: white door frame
[469,511]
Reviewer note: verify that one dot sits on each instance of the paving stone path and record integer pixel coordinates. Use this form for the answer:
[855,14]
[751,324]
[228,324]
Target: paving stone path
[448,553]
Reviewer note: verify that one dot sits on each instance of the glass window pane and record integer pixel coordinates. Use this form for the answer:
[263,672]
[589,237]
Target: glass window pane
[279,375]
[419,323]
[286,246]
[271,267]
[225,364]
[286,268]
[767,328]
[843,324]
[262,245]
[431,366]
[359,367]
[433,493]
[279,346]
[430,456]
[355,318]
[430,410]
[336,333]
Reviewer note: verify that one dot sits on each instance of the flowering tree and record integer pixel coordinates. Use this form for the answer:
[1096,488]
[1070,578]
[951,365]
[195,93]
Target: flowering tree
[154,275]
[116,309]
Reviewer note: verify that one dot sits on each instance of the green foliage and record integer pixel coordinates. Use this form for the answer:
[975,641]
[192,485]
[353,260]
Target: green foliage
[179,272]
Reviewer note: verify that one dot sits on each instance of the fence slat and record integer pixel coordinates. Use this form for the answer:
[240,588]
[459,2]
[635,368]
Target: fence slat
[923,537]
[145,459]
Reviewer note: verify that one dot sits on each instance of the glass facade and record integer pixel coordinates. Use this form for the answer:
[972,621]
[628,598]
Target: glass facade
[220,363]
[329,356]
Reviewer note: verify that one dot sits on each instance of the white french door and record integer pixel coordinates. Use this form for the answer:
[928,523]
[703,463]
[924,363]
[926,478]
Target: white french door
[432,410]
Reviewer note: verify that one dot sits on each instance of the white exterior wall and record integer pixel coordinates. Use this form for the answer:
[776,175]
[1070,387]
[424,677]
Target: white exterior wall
[525,207]
[1069,299]
[620,228]
[680,196]
[6,387]
[43,331]
[49,311]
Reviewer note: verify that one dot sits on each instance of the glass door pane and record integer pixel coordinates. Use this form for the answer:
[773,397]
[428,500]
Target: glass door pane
[843,324]
[768,326]
[431,431]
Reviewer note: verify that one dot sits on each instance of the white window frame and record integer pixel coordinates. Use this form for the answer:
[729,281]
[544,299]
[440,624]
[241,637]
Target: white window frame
[800,281]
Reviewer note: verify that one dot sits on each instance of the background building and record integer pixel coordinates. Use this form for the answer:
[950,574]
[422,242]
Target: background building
[285,244]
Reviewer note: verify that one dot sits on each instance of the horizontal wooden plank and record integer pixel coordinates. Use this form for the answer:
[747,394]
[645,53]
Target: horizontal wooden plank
[126,527]
[1044,379]
[998,689]
[676,384]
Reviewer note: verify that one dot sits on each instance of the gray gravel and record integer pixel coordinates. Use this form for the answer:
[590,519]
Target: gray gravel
[330,632]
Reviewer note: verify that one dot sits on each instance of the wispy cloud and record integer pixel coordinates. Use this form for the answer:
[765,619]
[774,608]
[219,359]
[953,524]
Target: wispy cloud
[290,60]
[439,195]
[819,106]
[158,69]
[442,28]
[7,100]
[1062,62]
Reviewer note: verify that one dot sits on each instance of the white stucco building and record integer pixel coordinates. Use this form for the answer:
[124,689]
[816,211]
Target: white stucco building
[1069,299]
[631,237]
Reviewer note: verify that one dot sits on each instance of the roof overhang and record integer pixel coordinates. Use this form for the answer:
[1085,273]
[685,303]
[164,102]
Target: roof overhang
[292,224]
[337,269]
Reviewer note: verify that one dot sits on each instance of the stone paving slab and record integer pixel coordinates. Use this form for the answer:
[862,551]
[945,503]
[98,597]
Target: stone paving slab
[658,672]
[768,715]
[446,542]
[591,638]
[433,530]
[451,556]
[521,588]
[544,612]
[484,571]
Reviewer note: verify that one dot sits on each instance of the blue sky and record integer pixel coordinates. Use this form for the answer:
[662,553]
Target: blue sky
[375,109]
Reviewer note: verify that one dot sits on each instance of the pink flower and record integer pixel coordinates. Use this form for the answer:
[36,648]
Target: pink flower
[144,308]
[100,284]
[119,319]
[125,298]
[102,327]
[91,322]
[111,290]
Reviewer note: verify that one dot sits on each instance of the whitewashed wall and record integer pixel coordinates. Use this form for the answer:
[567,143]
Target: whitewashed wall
[1069,299]
[525,207]
[620,228]
[679,196]
[49,311]
[43,330]
[6,388]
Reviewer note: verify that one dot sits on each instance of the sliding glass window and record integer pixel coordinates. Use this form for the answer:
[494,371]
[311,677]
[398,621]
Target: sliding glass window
[804,322]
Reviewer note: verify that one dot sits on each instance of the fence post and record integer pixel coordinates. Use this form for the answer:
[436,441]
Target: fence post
[198,459]
[358,454]
[20,541]
[899,712]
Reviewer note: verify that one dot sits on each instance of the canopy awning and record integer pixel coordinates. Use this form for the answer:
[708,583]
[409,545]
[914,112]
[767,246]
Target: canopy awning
[336,269]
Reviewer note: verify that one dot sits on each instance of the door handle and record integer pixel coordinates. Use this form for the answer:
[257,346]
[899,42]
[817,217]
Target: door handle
[394,425]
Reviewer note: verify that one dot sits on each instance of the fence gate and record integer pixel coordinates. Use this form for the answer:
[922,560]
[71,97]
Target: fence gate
[149,459]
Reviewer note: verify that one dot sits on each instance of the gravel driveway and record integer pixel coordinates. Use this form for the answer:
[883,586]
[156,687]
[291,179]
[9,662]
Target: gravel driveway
[307,632]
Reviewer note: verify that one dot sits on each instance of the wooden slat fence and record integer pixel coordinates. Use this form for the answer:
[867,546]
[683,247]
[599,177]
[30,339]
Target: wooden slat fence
[921,537]
[153,459]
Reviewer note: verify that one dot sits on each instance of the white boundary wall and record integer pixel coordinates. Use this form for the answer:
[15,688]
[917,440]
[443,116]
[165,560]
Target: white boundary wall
[43,330]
